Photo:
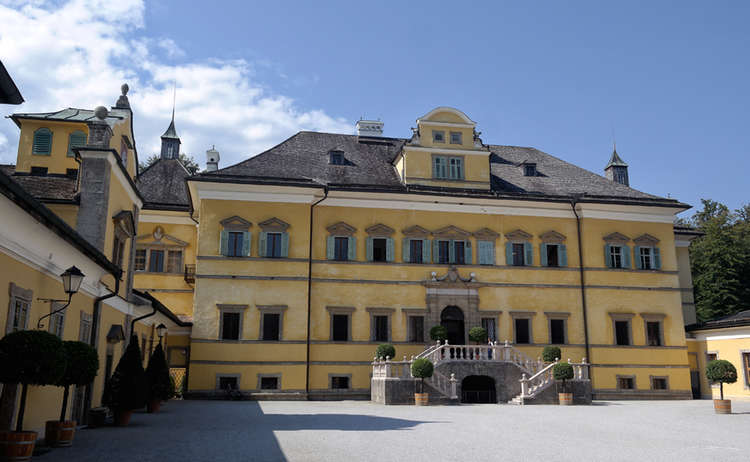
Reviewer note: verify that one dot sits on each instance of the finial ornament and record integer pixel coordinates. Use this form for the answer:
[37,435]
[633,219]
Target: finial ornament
[124,89]
[101,112]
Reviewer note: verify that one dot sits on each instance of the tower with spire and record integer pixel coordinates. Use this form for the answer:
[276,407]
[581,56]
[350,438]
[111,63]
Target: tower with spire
[617,170]
[170,142]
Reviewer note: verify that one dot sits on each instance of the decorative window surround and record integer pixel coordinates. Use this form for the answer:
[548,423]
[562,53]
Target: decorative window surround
[157,240]
[529,315]
[223,308]
[378,311]
[42,142]
[219,376]
[341,229]
[235,224]
[622,317]
[438,136]
[447,167]
[456,137]
[20,300]
[745,364]
[519,237]
[560,316]
[56,321]
[659,377]
[485,234]
[452,234]
[617,240]
[276,376]
[272,309]
[486,246]
[380,231]
[416,232]
[341,310]
[553,238]
[654,317]
[618,378]
[273,225]
[653,260]
[84,330]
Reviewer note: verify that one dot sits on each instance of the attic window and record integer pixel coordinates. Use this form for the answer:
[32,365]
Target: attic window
[529,169]
[337,158]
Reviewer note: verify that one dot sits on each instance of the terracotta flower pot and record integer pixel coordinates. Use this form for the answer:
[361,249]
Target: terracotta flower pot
[17,446]
[421,399]
[59,434]
[122,418]
[723,406]
[153,406]
[565,399]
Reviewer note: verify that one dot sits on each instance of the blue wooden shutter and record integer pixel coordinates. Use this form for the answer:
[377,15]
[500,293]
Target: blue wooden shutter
[625,256]
[389,250]
[262,241]
[467,252]
[638,263]
[657,258]
[451,251]
[543,254]
[352,249]
[224,243]
[246,236]
[77,139]
[509,253]
[562,254]
[285,245]
[607,258]
[42,142]
[406,250]
[426,251]
[485,250]
[435,251]
[368,249]
[330,248]
[529,251]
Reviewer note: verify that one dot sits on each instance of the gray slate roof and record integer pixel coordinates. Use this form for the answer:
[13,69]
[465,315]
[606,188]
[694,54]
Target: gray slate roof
[44,188]
[171,132]
[71,115]
[163,185]
[305,156]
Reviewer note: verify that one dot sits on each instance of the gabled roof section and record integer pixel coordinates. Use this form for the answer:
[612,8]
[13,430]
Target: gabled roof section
[9,93]
[72,114]
[163,185]
[740,319]
[459,115]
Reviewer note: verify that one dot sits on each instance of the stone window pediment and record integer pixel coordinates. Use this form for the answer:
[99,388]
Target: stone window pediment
[159,238]
[552,237]
[341,229]
[451,232]
[274,225]
[518,235]
[646,240]
[616,238]
[235,223]
[380,230]
[124,223]
[416,231]
[486,234]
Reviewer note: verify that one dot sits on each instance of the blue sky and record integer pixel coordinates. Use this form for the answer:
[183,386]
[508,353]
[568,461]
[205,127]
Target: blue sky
[670,79]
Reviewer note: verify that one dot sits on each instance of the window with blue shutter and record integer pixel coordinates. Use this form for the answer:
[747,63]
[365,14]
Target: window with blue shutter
[245,244]
[377,249]
[647,258]
[224,243]
[626,256]
[443,250]
[406,250]
[467,253]
[284,245]
[352,249]
[262,242]
[42,144]
[657,258]
[528,254]
[389,250]
[457,253]
[77,139]
[509,253]
[563,251]
[272,245]
[486,251]
[341,248]
[331,248]
[553,255]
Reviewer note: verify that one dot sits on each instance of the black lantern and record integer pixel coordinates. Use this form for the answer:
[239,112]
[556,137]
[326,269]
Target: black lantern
[72,279]
[161,329]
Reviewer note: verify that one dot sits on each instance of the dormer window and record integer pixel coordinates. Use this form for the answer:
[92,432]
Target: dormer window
[336,158]
[529,169]
[456,138]
[438,136]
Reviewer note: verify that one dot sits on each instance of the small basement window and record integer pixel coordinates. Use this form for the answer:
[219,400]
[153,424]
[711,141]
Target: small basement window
[659,383]
[626,383]
[340,382]
[228,383]
[71,172]
[39,171]
[269,383]
[336,158]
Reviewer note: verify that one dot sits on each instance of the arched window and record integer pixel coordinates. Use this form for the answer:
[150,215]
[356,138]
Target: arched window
[42,142]
[77,139]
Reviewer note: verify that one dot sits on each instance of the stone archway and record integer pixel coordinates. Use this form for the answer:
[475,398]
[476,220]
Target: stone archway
[452,318]
[478,389]
[456,292]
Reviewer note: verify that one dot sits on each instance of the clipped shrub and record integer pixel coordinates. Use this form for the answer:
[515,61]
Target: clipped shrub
[478,334]
[385,350]
[721,371]
[82,366]
[439,333]
[30,357]
[157,376]
[421,369]
[550,354]
[562,371]
[127,388]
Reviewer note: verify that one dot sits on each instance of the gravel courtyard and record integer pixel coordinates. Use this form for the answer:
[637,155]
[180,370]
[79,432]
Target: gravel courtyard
[352,430]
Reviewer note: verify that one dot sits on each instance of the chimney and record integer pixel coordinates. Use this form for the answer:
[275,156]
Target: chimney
[212,159]
[99,131]
[369,128]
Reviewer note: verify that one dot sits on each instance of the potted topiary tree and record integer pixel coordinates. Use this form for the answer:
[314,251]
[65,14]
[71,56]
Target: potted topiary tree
[478,335]
[563,371]
[82,365]
[158,379]
[550,354]
[27,357]
[126,389]
[721,371]
[421,369]
[385,350]
[439,333]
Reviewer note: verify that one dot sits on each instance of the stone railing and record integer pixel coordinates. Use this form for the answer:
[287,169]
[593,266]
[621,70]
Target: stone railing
[439,353]
[544,378]
[385,368]
[445,385]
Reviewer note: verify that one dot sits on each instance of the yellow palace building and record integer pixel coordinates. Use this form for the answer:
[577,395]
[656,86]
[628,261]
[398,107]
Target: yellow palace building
[282,273]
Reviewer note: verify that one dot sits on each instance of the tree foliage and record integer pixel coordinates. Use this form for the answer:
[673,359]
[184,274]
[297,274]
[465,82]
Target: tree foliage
[550,354]
[157,375]
[721,371]
[187,161]
[439,333]
[127,388]
[720,260]
[385,350]
[478,334]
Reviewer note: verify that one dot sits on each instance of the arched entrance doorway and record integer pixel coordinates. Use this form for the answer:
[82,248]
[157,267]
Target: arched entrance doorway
[478,389]
[452,318]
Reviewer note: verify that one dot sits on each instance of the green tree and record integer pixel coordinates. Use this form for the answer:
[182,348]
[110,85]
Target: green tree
[187,161]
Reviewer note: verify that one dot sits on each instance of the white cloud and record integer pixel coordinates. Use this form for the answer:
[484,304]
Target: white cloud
[77,54]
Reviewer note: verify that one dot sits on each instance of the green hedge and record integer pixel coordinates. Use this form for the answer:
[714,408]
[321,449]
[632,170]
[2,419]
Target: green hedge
[721,371]
[127,388]
[478,334]
[550,354]
[439,333]
[385,350]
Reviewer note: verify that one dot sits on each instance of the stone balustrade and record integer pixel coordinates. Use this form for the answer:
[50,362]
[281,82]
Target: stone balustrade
[530,386]
[493,351]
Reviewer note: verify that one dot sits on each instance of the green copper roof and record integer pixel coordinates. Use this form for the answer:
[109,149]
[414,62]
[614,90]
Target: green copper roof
[615,161]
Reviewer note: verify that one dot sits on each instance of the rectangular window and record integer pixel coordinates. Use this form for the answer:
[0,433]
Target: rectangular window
[746,367]
[439,167]
[269,383]
[271,326]
[38,171]
[529,170]
[156,261]
[340,382]
[140,259]
[456,138]
[711,357]
[379,252]
[340,327]
[230,328]
[341,248]
[557,331]
[615,256]
[523,334]
[20,314]
[456,171]
[84,331]
[659,383]
[653,333]
[57,321]
[458,252]
[646,256]
[174,261]
[415,251]
[625,383]
[489,325]
[273,245]
[381,328]
[448,167]
[622,332]
[228,383]
[234,244]
[553,255]
[118,251]
[444,252]
[438,136]
[337,158]
[518,254]
[416,329]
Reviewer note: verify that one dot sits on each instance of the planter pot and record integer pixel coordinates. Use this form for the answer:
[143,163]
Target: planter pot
[723,406]
[17,446]
[566,399]
[59,434]
[421,399]
[97,417]
[153,406]
[122,418]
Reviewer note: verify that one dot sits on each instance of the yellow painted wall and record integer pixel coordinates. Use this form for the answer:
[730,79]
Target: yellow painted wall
[68,213]
[730,349]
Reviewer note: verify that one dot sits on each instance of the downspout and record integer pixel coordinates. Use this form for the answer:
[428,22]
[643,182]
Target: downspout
[309,293]
[132,323]
[573,203]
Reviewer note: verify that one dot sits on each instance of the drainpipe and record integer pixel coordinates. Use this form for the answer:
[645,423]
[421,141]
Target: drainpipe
[573,203]
[309,293]
[132,323]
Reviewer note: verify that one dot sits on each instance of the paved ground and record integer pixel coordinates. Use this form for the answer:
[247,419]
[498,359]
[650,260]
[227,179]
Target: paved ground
[350,431]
